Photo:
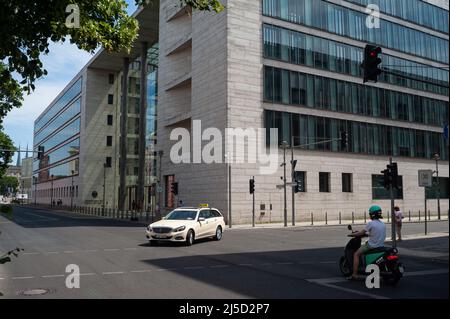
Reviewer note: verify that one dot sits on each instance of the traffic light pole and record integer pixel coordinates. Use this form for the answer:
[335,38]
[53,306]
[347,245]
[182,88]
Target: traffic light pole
[253,207]
[393,224]
[293,178]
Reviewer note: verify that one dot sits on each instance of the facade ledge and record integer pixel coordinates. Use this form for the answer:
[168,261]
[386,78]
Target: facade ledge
[175,12]
[181,81]
[174,120]
[182,44]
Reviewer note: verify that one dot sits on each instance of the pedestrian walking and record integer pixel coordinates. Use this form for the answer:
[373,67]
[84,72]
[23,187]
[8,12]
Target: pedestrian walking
[399,221]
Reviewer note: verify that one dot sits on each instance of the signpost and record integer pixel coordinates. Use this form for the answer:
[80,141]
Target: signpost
[426,180]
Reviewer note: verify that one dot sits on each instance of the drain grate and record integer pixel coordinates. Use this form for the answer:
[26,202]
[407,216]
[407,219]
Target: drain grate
[35,292]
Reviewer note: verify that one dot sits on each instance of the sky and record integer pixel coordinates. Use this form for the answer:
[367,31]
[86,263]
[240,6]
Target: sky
[63,62]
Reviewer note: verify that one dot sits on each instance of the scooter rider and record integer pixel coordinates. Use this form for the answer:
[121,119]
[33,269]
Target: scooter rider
[376,230]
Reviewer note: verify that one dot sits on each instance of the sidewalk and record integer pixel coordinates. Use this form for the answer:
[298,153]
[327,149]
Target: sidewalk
[414,220]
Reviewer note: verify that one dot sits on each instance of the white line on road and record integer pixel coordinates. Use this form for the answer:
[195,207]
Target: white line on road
[69,251]
[194,267]
[111,249]
[52,253]
[285,263]
[52,276]
[91,251]
[143,271]
[88,274]
[20,278]
[30,253]
[130,248]
[113,273]
[219,266]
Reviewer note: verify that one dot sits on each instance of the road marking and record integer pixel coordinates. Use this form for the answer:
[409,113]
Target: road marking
[327,262]
[141,271]
[113,273]
[91,251]
[194,267]
[52,276]
[88,274]
[285,263]
[52,253]
[111,249]
[219,266]
[330,282]
[20,278]
[327,283]
[245,265]
[130,248]
[69,252]
[30,253]
[426,272]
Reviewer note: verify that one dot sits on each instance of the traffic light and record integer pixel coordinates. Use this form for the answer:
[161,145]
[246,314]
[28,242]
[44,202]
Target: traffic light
[174,188]
[40,154]
[386,179]
[344,140]
[393,170]
[371,63]
[252,186]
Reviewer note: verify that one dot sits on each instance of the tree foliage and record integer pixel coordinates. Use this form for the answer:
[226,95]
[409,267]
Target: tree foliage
[8,182]
[29,26]
[5,156]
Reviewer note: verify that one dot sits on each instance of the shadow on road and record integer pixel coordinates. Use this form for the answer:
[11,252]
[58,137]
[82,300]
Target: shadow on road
[38,218]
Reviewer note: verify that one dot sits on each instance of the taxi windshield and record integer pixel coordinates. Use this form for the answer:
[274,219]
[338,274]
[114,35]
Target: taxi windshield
[182,215]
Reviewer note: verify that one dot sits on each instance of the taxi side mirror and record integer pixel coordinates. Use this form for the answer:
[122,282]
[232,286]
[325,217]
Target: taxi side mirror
[201,219]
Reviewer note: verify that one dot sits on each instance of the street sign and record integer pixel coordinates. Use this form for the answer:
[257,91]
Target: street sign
[159,189]
[425,178]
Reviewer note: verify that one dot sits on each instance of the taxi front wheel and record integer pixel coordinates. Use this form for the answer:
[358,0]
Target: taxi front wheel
[190,237]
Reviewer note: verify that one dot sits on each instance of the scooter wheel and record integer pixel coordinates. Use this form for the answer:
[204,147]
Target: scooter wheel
[345,267]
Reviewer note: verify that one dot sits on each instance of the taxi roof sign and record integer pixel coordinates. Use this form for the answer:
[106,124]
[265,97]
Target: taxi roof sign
[203,206]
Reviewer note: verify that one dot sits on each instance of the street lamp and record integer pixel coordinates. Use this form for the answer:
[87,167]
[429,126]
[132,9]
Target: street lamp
[160,154]
[284,145]
[35,188]
[51,191]
[71,192]
[437,157]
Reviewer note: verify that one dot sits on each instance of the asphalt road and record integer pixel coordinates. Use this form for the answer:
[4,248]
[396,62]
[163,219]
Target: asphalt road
[116,261]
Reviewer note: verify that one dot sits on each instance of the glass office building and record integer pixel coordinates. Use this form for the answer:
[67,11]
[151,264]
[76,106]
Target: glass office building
[313,88]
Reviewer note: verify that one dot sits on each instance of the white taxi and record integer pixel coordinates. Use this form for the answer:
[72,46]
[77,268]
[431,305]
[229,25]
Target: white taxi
[187,224]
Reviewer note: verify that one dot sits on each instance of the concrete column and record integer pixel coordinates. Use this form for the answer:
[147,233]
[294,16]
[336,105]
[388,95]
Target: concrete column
[142,127]
[123,135]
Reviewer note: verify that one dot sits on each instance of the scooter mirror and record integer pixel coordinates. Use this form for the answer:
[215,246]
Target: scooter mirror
[349,227]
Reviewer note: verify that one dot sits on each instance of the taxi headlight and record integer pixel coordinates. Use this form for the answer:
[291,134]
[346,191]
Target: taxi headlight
[149,229]
[178,229]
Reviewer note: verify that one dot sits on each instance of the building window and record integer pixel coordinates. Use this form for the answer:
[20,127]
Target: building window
[324,182]
[109,120]
[301,178]
[109,140]
[110,99]
[379,192]
[169,198]
[111,78]
[347,183]
[108,161]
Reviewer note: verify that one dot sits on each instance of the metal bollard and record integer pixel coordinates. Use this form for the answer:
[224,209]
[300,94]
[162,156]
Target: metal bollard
[326,218]
[312,219]
[389,216]
[409,215]
[353,218]
[340,218]
[419,216]
[365,217]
